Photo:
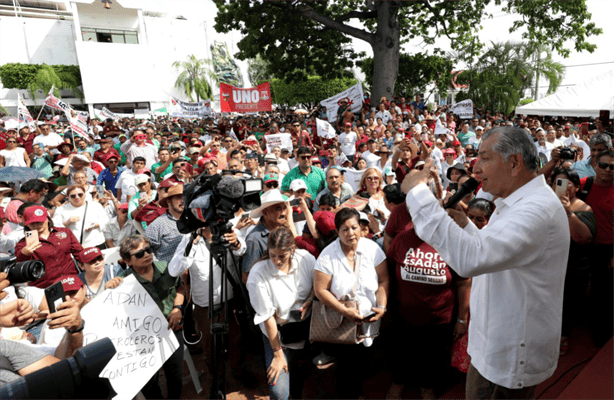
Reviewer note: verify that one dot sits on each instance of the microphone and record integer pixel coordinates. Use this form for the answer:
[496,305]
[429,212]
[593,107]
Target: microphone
[469,186]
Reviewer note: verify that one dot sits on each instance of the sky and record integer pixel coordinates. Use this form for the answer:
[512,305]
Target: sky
[581,66]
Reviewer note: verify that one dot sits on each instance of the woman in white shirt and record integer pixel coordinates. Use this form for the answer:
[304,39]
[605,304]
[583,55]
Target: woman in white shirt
[336,279]
[280,289]
[13,156]
[372,183]
[86,219]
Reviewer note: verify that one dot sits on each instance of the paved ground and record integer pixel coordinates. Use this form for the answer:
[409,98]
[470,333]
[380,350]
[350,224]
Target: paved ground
[320,382]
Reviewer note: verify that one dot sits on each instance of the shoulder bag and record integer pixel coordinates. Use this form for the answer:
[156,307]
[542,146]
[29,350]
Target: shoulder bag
[329,326]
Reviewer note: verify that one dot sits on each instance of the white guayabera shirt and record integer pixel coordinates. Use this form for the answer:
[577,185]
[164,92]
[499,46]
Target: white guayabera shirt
[518,264]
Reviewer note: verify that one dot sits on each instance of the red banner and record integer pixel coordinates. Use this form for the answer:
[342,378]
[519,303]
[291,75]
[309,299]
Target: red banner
[256,99]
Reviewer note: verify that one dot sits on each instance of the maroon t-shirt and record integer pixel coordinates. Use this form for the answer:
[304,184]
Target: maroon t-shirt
[55,252]
[601,200]
[403,169]
[398,221]
[425,287]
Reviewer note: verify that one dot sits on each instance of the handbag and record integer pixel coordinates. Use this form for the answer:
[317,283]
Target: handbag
[329,326]
[87,203]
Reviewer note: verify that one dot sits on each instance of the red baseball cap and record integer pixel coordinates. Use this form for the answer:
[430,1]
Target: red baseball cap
[348,124]
[89,254]
[110,156]
[456,143]
[70,283]
[34,214]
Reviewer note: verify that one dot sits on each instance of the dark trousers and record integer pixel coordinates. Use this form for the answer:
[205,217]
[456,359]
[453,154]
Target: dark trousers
[421,353]
[478,387]
[173,371]
[602,293]
[354,366]
[574,296]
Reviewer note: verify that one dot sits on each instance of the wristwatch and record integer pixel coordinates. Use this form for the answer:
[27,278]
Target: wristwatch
[177,306]
[79,329]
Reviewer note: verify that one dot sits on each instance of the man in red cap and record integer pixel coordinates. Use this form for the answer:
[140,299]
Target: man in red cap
[110,175]
[106,148]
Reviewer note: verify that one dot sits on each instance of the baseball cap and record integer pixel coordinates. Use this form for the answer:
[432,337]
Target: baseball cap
[123,206]
[271,178]
[89,254]
[193,150]
[348,124]
[141,178]
[34,214]
[298,184]
[70,283]
[325,221]
[449,151]
[479,128]
[110,156]
[456,143]
[316,159]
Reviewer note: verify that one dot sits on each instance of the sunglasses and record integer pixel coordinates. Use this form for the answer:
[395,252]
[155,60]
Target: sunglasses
[77,195]
[606,166]
[11,141]
[296,125]
[124,211]
[373,178]
[272,185]
[139,254]
[305,157]
[227,141]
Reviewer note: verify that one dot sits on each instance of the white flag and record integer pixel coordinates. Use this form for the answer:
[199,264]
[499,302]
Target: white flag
[325,130]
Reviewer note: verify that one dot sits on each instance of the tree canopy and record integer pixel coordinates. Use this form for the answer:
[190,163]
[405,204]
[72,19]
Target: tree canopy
[499,78]
[309,91]
[302,38]
[35,77]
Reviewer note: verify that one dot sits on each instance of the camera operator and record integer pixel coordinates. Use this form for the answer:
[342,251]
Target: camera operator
[598,143]
[197,263]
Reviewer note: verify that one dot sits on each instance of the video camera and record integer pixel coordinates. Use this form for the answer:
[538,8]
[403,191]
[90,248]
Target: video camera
[213,200]
[22,272]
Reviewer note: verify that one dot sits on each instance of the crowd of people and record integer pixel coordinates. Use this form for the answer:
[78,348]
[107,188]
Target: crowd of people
[449,288]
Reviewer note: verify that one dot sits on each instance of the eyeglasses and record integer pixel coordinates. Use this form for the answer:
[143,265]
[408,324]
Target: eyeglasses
[295,125]
[227,141]
[123,211]
[373,178]
[11,141]
[139,254]
[77,195]
[605,166]
[272,185]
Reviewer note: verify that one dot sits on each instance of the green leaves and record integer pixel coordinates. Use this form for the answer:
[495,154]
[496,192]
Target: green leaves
[41,76]
[416,71]
[505,71]
[310,91]
[192,78]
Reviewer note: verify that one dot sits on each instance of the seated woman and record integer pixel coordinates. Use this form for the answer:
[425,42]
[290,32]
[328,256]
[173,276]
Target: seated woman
[168,293]
[280,289]
[352,267]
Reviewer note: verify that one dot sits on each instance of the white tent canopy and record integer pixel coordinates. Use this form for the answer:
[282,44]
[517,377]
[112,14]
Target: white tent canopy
[582,100]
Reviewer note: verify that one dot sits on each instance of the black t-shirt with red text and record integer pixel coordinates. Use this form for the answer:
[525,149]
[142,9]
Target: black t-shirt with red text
[424,285]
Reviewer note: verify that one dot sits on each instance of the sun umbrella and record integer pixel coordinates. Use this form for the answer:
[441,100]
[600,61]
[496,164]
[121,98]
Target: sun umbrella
[19,175]
[301,111]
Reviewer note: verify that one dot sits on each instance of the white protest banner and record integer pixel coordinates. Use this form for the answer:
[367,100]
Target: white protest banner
[281,140]
[464,109]
[352,178]
[353,96]
[183,109]
[139,331]
[23,113]
[325,130]
[78,122]
[106,113]
[440,129]
[54,102]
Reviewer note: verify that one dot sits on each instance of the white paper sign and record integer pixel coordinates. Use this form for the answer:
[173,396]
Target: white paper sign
[282,140]
[139,331]
[353,95]
[325,130]
[464,109]
[352,178]
[184,109]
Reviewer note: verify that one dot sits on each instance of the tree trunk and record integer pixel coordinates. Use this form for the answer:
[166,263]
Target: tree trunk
[385,51]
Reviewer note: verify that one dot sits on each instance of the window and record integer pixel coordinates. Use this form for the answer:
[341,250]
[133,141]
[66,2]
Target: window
[123,108]
[109,36]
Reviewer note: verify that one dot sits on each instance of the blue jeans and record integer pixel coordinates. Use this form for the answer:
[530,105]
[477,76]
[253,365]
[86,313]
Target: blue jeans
[286,385]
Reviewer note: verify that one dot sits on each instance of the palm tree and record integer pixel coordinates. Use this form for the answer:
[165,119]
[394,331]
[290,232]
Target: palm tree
[500,77]
[47,77]
[193,77]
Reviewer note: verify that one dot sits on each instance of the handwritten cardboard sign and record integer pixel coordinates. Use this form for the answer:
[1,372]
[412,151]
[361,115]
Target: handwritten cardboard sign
[132,320]
[464,109]
[281,140]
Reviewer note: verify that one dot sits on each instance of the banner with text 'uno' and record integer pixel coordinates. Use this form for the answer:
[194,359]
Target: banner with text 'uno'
[256,99]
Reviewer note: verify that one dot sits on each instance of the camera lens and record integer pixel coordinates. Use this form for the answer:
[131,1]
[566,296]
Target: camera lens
[25,271]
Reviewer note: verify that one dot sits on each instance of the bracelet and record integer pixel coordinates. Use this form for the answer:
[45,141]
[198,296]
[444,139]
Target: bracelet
[277,349]
[381,308]
[79,329]
[462,321]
